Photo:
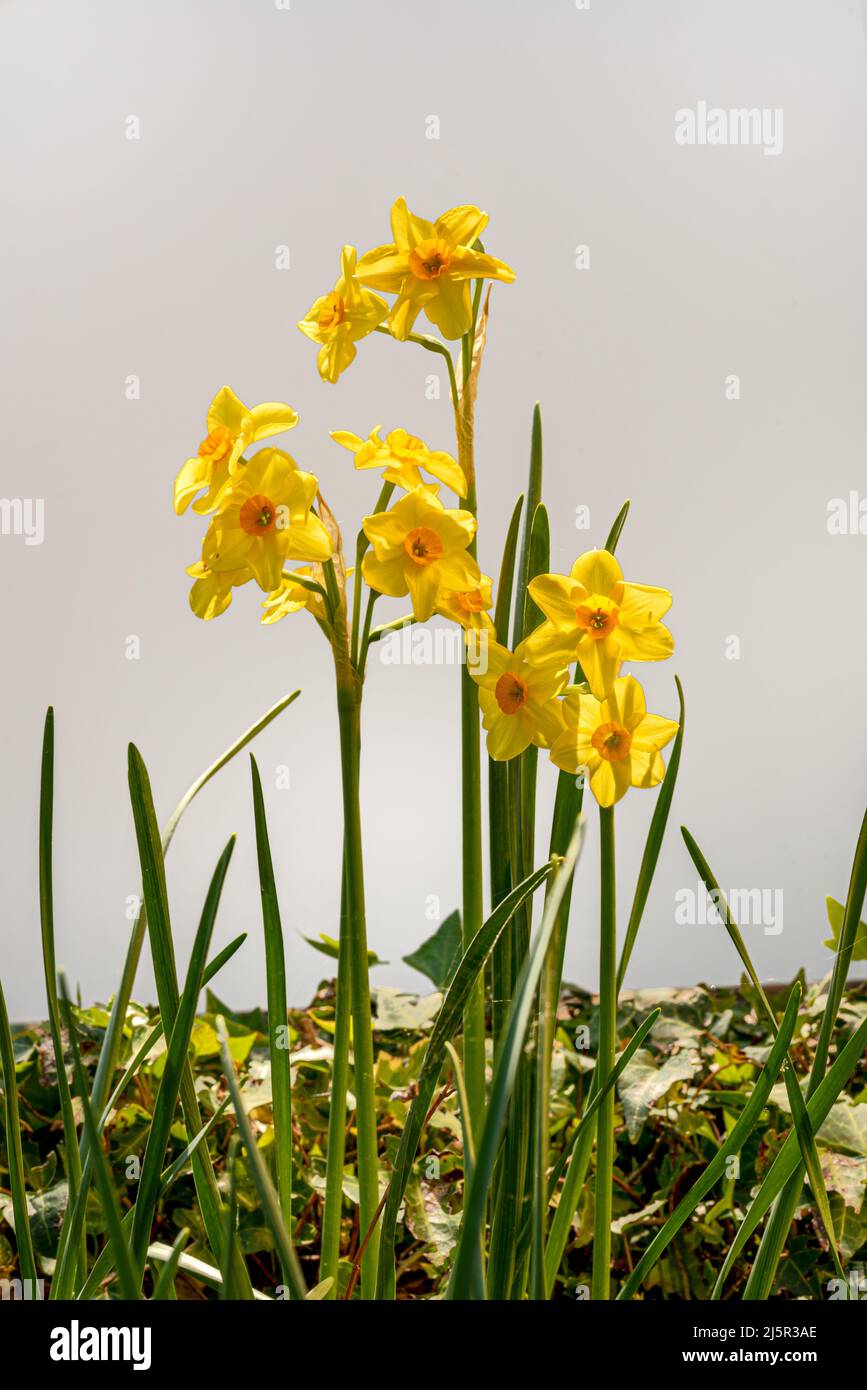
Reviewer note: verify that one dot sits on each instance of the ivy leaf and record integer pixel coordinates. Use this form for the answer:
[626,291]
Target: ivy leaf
[835,920]
[644,1082]
[439,955]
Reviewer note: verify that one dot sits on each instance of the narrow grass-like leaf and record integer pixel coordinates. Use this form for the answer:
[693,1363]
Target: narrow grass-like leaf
[162,952]
[506,584]
[514,1183]
[76,1213]
[175,1064]
[267,1196]
[104,1263]
[230,1217]
[446,1025]
[329,1245]
[467,1276]
[164,1288]
[616,528]
[796,1100]
[776,1232]
[107,1064]
[732,1144]
[788,1160]
[129,1285]
[15,1156]
[275,974]
[499,841]
[49,960]
[653,845]
[534,497]
[577,1156]
[461,1090]
[153,1037]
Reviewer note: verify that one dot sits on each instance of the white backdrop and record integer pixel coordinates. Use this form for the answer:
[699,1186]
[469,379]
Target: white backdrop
[262,127]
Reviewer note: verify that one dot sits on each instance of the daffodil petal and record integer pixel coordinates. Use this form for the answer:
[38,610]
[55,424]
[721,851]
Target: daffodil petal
[386,576]
[451,307]
[598,571]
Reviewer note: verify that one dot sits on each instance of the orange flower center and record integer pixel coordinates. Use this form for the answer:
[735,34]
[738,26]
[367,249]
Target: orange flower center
[258,516]
[423,545]
[333,311]
[597,622]
[430,259]
[217,445]
[612,742]
[472,601]
[511,692]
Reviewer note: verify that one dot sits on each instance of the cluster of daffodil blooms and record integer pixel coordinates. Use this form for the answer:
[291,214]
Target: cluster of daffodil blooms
[269,523]
[600,728]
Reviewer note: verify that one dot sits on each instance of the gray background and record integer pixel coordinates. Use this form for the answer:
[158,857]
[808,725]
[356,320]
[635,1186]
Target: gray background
[261,127]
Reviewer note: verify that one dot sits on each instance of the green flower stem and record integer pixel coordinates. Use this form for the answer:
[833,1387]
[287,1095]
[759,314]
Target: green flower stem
[472,907]
[431,345]
[601,1279]
[330,1244]
[362,546]
[349,714]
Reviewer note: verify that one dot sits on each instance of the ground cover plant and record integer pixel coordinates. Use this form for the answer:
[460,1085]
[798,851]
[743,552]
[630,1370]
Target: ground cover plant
[489,1154]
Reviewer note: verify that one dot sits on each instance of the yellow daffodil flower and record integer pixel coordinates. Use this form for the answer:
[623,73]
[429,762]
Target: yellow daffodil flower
[615,740]
[429,266]
[267,520]
[518,701]
[231,429]
[337,320]
[467,606]
[402,456]
[291,597]
[595,616]
[211,594]
[419,547]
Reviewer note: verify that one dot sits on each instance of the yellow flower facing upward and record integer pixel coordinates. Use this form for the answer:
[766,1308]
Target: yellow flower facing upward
[429,266]
[402,457]
[595,616]
[231,429]
[291,597]
[519,701]
[419,547]
[267,520]
[211,593]
[468,606]
[337,320]
[614,740]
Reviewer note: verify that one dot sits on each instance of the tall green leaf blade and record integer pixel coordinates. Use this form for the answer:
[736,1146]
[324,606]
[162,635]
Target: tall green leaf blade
[446,1025]
[162,951]
[176,1062]
[76,1212]
[267,1196]
[796,1100]
[164,1288]
[788,1160]
[15,1156]
[129,1285]
[732,1144]
[108,1056]
[653,844]
[467,1276]
[776,1232]
[275,975]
